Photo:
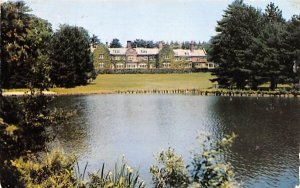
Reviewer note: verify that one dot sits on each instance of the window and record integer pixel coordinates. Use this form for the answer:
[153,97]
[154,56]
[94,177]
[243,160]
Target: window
[116,51]
[143,51]
[101,65]
[130,58]
[186,53]
[166,65]
[166,57]
[101,56]
[117,58]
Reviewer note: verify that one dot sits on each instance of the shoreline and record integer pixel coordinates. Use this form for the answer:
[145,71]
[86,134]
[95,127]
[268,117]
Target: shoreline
[199,92]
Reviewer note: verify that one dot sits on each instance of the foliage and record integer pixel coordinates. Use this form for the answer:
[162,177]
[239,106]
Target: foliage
[141,43]
[54,170]
[260,52]
[236,32]
[171,171]
[166,55]
[72,59]
[208,168]
[102,51]
[23,129]
[94,41]
[122,177]
[115,43]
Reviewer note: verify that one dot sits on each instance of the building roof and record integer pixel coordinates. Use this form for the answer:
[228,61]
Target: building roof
[155,51]
[117,51]
[182,52]
[147,51]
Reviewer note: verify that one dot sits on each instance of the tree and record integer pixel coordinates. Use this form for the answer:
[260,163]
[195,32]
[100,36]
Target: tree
[115,43]
[15,46]
[277,65]
[25,40]
[71,57]
[293,43]
[273,13]
[240,25]
[94,41]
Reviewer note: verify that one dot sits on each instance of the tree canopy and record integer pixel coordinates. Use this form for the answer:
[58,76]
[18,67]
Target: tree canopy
[115,43]
[252,47]
[71,57]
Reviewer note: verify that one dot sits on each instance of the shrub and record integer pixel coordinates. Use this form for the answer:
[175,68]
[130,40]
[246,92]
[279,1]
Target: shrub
[54,170]
[208,168]
[170,171]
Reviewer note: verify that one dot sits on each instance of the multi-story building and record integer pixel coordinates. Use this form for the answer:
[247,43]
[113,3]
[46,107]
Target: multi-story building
[163,57]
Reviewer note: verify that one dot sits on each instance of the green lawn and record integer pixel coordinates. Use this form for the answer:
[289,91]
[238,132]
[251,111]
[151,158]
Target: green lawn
[106,83]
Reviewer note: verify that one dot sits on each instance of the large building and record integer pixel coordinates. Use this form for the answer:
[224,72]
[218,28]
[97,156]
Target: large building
[163,57]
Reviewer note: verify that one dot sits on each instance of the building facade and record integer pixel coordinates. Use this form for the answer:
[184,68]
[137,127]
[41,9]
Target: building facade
[163,57]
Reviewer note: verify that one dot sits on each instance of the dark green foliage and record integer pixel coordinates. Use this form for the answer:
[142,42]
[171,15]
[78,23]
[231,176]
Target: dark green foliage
[141,43]
[24,46]
[236,32]
[252,48]
[94,41]
[15,45]
[273,13]
[115,43]
[71,57]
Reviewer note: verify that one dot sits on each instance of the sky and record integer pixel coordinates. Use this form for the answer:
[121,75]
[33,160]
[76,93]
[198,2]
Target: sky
[166,20]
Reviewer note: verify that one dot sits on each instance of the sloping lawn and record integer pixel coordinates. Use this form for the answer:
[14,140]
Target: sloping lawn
[107,83]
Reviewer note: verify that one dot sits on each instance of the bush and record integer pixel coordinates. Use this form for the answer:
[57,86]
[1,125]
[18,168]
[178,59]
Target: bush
[171,171]
[207,168]
[55,170]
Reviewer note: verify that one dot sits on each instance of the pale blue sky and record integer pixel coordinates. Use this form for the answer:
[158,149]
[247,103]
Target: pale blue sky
[167,20]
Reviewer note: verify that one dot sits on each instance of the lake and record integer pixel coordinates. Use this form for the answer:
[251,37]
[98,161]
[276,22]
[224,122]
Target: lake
[106,127]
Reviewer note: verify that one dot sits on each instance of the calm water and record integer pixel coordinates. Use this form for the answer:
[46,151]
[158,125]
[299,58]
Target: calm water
[138,126]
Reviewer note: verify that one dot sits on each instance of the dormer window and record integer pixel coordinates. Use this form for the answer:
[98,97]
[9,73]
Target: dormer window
[116,51]
[186,53]
[143,51]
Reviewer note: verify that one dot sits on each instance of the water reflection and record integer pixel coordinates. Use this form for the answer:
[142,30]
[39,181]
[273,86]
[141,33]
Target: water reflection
[108,126]
[266,151]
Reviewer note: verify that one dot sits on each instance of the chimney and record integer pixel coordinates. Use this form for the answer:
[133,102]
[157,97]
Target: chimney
[106,45]
[192,46]
[160,45]
[129,44]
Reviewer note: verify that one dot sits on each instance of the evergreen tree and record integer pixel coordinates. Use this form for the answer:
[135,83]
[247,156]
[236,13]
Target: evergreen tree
[94,41]
[238,29]
[276,61]
[115,43]
[71,57]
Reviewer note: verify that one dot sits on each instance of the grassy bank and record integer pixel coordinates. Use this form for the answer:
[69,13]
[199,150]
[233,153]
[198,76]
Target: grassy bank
[192,83]
[111,83]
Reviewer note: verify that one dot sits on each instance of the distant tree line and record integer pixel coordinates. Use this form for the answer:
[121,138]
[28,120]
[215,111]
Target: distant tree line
[253,47]
[141,43]
[31,52]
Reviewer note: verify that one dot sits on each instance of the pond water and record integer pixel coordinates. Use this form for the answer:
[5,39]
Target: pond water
[106,127]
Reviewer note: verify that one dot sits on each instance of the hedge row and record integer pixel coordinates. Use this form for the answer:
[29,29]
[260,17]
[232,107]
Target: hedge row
[149,71]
